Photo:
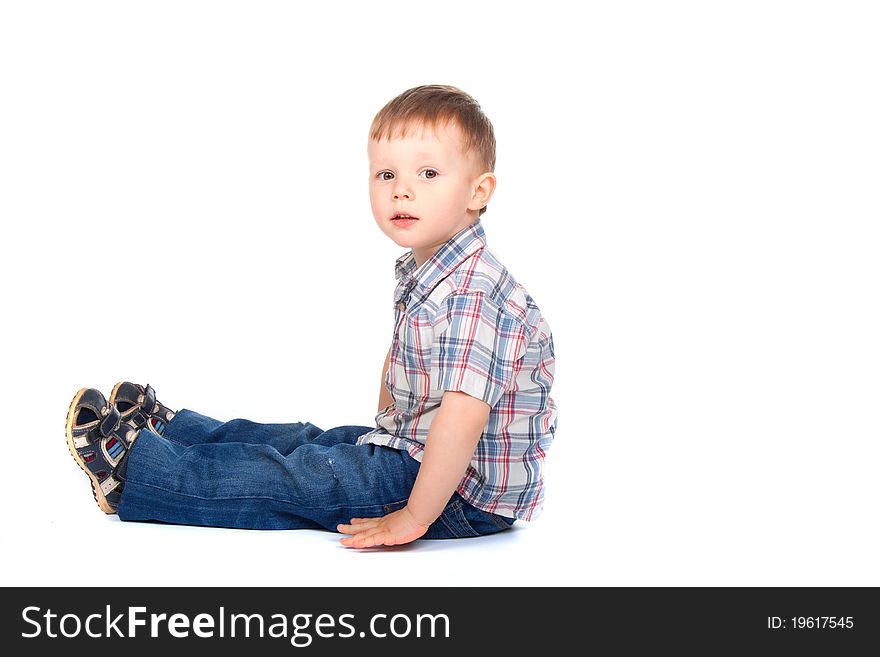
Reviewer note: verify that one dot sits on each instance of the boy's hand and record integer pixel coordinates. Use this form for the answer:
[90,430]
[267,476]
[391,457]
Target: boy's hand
[396,528]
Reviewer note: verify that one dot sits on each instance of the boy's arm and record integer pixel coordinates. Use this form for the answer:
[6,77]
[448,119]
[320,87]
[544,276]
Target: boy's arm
[452,439]
[449,447]
[384,395]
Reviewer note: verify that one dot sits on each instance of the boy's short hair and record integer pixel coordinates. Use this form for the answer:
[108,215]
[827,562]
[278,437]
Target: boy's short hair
[430,105]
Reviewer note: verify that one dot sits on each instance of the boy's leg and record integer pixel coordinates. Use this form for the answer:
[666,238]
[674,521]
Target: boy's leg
[191,428]
[248,484]
[139,406]
[372,480]
[245,485]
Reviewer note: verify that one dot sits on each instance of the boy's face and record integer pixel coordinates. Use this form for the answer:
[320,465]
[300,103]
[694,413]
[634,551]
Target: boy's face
[427,176]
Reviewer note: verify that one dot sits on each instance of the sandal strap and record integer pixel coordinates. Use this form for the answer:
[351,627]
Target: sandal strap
[149,401]
[110,423]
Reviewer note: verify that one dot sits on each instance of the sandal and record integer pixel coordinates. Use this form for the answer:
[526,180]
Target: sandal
[137,406]
[98,441]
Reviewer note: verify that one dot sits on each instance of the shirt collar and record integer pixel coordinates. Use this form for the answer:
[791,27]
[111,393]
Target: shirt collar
[460,247]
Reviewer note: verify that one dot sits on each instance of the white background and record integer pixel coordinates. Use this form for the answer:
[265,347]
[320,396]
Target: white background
[688,190]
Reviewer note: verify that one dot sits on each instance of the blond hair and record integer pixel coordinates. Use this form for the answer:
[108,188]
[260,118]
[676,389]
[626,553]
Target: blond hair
[431,105]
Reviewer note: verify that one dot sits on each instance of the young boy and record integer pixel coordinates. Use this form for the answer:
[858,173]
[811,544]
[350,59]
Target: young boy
[465,416]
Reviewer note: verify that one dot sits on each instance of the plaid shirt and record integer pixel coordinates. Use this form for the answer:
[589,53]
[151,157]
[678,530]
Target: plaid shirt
[463,323]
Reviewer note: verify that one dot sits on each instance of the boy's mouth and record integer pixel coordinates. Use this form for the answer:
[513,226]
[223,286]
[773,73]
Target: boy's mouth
[403,216]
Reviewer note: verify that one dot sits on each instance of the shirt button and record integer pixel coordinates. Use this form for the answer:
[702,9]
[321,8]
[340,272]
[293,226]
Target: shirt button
[401,306]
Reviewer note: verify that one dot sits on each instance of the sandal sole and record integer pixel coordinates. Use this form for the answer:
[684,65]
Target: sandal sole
[97,493]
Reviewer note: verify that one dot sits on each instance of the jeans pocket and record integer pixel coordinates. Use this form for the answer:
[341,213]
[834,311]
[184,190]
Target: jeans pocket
[462,520]
[454,520]
[500,521]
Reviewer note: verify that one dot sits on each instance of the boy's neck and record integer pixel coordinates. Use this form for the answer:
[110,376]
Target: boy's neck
[423,254]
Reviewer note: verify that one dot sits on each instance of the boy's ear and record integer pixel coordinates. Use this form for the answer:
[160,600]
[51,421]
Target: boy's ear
[484,187]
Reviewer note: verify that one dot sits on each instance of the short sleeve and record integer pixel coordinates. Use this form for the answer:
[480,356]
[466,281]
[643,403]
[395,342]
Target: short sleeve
[477,349]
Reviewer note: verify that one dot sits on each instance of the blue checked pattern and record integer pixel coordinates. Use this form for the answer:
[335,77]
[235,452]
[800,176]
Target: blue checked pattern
[463,323]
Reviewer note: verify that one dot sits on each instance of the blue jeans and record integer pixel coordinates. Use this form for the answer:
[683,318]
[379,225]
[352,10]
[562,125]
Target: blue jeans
[248,475]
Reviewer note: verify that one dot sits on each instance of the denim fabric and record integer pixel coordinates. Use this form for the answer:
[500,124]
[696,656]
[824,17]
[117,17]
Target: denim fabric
[248,475]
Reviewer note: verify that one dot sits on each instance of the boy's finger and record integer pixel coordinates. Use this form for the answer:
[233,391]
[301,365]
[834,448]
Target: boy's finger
[357,521]
[370,538]
[351,541]
[356,539]
[359,525]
